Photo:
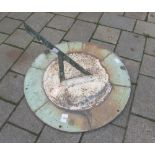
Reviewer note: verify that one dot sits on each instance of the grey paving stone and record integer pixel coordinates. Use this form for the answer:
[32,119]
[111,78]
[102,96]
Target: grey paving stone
[80,31]
[116,13]
[133,69]
[8,56]
[107,34]
[151,17]
[148,65]
[90,16]
[121,120]
[145,28]
[140,130]
[68,14]
[12,134]
[136,15]
[61,22]
[25,61]
[19,38]
[3,14]
[150,46]
[19,15]
[107,134]
[116,21]
[8,25]
[131,46]
[12,87]
[5,110]
[52,35]
[143,103]
[2,37]
[107,46]
[50,135]
[38,20]
[24,118]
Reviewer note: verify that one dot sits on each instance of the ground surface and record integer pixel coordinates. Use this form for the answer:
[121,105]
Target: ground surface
[130,35]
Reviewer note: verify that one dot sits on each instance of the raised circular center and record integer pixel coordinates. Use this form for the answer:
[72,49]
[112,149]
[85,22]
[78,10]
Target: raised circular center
[77,91]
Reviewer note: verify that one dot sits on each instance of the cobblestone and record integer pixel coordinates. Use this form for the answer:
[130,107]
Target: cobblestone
[5,110]
[80,31]
[8,25]
[107,134]
[131,46]
[12,86]
[50,135]
[90,16]
[145,28]
[136,15]
[61,22]
[19,38]
[140,131]
[107,34]
[24,118]
[12,134]
[8,55]
[148,64]
[116,21]
[143,103]
[150,46]
[19,15]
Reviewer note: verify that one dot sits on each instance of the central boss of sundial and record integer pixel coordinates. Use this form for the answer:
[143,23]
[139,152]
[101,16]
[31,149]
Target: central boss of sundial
[77,91]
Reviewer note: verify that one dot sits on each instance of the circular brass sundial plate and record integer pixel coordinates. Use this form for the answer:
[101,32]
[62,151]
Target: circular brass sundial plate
[111,76]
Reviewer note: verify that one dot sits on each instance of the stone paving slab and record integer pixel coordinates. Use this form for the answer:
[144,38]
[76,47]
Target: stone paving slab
[107,134]
[12,86]
[107,34]
[116,21]
[148,65]
[122,119]
[90,16]
[140,130]
[143,103]
[50,135]
[80,31]
[3,37]
[25,118]
[19,38]
[151,17]
[52,35]
[38,20]
[20,16]
[8,25]
[150,46]
[12,134]
[145,28]
[131,46]
[133,68]
[68,14]
[25,61]
[8,55]
[3,14]
[136,15]
[5,110]
[61,22]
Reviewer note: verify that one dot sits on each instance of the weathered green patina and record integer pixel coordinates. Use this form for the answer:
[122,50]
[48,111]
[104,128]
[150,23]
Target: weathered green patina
[78,121]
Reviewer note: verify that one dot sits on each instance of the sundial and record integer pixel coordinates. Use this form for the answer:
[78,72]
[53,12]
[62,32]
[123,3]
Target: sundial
[75,86]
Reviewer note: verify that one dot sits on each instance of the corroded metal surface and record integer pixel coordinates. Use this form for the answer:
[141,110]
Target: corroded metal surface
[85,120]
[78,91]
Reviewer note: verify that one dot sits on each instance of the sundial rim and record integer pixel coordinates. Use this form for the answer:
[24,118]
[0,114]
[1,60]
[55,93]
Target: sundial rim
[86,120]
